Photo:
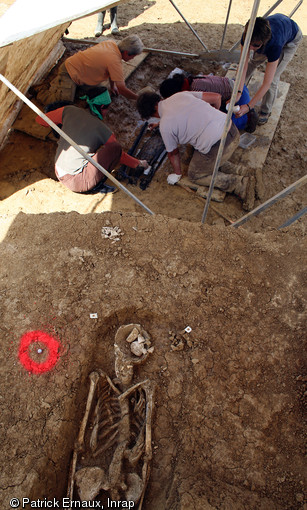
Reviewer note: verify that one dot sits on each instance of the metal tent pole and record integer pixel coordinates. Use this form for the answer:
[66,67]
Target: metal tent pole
[190,27]
[71,142]
[231,105]
[145,50]
[226,23]
[295,8]
[271,201]
[267,13]
[170,52]
[294,218]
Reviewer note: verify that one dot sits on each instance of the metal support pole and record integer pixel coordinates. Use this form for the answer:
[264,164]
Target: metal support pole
[267,13]
[170,52]
[271,201]
[145,50]
[295,8]
[294,218]
[71,142]
[231,105]
[226,23]
[190,27]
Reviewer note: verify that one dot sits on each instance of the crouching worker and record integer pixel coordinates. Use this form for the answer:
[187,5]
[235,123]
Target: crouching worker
[222,85]
[275,39]
[96,139]
[89,68]
[188,118]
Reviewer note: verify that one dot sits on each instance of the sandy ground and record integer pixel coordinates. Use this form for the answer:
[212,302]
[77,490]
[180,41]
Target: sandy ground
[228,426]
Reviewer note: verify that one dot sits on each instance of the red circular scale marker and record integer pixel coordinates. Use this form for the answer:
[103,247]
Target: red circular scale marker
[39,337]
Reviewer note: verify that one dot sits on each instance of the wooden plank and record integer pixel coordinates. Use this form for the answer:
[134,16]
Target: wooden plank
[221,56]
[202,191]
[131,66]
[253,158]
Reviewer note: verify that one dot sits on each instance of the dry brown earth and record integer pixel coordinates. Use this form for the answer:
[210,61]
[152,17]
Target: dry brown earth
[229,424]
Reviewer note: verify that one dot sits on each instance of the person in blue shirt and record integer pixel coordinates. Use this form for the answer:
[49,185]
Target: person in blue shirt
[274,39]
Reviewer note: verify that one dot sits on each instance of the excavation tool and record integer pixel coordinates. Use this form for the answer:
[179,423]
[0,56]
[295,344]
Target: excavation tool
[153,151]
[122,172]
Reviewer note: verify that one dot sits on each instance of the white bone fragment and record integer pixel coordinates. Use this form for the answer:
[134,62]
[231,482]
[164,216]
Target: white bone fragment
[138,349]
[132,336]
[90,481]
[135,487]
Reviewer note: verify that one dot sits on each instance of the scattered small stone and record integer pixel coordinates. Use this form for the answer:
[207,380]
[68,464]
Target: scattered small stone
[195,361]
[301,378]
[178,345]
[138,349]
[112,233]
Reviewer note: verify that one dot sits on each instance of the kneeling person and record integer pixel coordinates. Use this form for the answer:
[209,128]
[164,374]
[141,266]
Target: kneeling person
[91,67]
[188,118]
[96,139]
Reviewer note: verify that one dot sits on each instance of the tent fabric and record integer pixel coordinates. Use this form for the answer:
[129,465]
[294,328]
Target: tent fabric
[29,17]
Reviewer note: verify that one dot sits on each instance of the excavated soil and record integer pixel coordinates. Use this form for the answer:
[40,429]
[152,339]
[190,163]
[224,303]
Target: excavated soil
[229,424]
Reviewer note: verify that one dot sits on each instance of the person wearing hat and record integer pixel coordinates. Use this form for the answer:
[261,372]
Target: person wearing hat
[97,140]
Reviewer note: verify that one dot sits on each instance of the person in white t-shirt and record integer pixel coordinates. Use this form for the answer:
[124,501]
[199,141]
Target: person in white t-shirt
[194,118]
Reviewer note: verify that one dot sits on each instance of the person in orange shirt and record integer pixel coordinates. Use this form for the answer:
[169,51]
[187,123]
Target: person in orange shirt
[91,67]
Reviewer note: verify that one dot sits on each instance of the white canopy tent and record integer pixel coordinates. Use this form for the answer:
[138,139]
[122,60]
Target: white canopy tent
[29,17]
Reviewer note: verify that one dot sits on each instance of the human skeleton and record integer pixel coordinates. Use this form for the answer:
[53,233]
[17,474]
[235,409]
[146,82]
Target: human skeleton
[113,450]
